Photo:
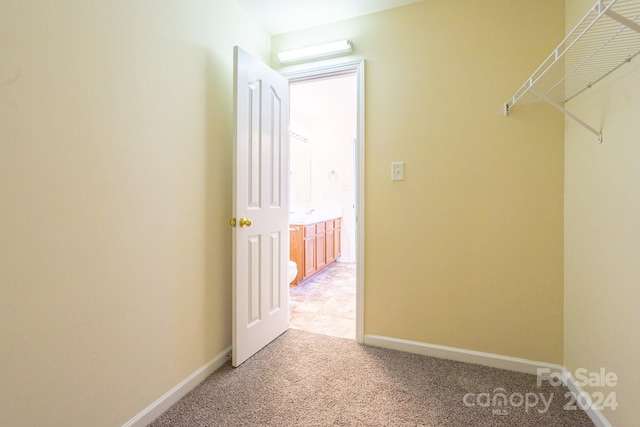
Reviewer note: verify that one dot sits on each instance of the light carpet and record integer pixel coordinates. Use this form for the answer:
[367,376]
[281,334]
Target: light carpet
[306,379]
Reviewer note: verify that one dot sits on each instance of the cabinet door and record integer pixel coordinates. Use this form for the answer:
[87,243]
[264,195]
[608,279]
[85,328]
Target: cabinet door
[330,245]
[309,250]
[321,259]
[309,256]
[336,239]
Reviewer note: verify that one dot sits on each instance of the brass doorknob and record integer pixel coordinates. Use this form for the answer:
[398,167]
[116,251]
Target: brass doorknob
[244,222]
[232,222]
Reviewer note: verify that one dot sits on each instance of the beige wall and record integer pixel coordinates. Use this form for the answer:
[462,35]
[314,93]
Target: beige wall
[602,231]
[115,175]
[467,251]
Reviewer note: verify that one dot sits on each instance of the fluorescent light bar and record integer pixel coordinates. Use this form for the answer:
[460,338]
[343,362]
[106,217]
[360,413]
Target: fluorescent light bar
[314,52]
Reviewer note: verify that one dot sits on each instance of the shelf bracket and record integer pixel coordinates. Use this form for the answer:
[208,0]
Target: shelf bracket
[624,21]
[568,114]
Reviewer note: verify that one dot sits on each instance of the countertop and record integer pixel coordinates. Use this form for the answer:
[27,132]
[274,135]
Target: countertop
[311,219]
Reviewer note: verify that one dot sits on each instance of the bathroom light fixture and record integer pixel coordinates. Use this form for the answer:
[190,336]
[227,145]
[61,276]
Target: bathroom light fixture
[314,52]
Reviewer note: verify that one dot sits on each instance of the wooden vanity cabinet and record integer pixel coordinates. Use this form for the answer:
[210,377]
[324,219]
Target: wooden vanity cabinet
[313,247]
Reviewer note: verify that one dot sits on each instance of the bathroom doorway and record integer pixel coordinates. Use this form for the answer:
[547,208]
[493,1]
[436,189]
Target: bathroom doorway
[326,158]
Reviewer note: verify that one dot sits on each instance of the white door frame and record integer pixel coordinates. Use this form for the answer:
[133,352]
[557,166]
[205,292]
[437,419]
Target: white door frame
[350,67]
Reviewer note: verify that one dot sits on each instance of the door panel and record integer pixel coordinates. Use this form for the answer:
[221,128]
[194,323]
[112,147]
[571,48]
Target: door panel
[260,205]
[253,294]
[276,149]
[254,145]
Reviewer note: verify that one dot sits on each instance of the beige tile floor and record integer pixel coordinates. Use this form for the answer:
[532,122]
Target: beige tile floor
[326,304]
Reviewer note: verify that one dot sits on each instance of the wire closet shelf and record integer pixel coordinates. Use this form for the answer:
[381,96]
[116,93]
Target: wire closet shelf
[604,40]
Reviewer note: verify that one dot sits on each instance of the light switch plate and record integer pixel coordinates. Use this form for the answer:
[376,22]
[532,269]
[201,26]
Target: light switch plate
[397,171]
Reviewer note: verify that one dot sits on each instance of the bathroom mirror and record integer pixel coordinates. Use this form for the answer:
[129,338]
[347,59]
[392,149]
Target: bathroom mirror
[300,170]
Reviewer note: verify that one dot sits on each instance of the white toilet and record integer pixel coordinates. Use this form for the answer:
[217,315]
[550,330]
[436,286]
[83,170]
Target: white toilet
[293,271]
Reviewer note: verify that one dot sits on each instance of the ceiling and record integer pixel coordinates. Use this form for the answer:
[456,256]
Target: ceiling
[281,16]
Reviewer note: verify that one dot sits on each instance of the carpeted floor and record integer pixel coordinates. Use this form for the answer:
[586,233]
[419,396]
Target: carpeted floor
[306,379]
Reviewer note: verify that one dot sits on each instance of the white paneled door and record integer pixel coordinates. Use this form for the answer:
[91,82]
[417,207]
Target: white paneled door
[260,206]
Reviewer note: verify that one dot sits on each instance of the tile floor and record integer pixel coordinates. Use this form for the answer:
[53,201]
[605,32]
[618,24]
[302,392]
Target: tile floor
[326,304]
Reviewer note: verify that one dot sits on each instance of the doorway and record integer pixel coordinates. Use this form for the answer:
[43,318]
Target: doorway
[326,184]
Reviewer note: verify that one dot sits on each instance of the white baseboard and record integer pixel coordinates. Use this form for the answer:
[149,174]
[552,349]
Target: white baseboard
[595,414]
[487,359]
[461,355]
[158,407]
